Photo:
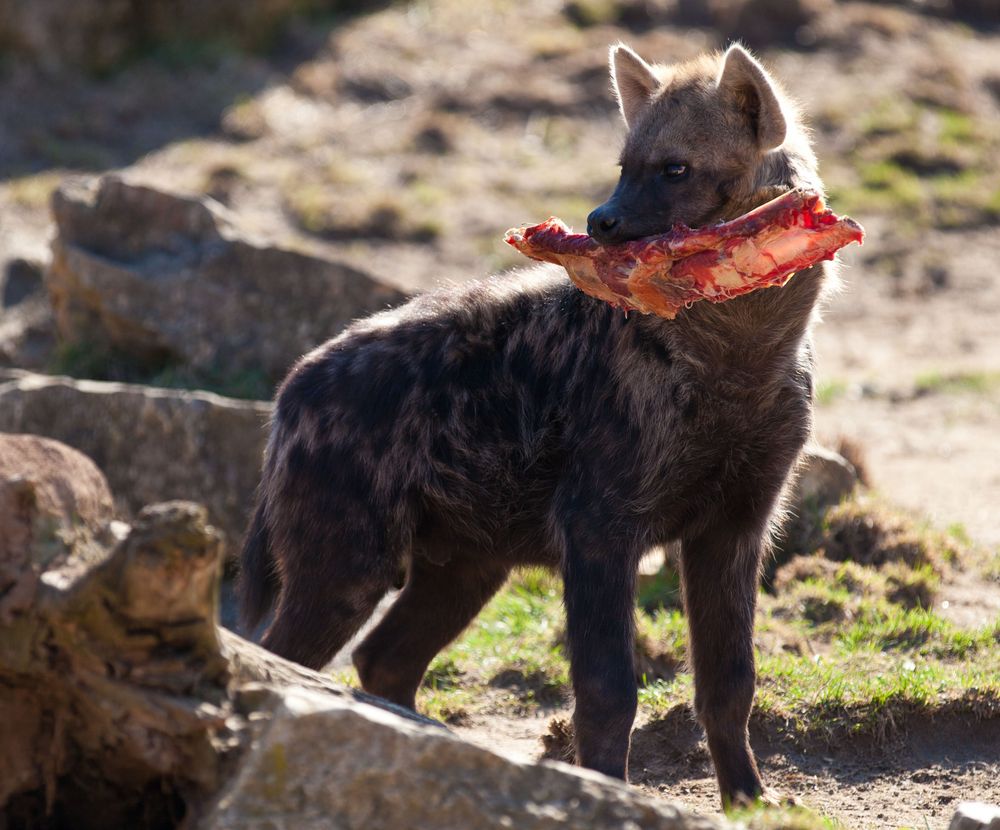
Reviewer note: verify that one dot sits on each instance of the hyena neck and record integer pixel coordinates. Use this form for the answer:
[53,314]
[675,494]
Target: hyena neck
[762,334]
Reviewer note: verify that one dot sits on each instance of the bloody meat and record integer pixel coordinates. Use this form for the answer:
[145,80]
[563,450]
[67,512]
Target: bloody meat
[665,273]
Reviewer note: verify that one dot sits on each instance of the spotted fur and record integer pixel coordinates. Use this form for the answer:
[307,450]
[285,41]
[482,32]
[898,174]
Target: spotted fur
[518,421]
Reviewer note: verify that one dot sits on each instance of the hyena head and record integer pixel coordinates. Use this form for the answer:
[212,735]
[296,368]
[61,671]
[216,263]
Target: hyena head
[698,136]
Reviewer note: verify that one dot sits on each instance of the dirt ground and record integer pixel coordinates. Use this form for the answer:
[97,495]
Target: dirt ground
[407,140]
[937,452]
[915,781]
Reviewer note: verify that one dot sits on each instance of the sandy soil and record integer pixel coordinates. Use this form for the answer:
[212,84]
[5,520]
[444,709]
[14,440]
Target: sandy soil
[914,781]
[939,452]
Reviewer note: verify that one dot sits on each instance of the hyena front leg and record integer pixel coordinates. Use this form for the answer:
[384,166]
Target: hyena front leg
[599,586]
[720,581]
[436,604]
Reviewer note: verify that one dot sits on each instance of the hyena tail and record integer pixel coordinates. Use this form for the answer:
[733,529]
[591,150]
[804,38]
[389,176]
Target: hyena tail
[259,582]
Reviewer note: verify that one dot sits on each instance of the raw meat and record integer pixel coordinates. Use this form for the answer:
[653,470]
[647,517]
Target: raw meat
[665,273]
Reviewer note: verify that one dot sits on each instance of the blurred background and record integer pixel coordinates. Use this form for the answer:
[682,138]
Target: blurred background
[193,194]
[400,140]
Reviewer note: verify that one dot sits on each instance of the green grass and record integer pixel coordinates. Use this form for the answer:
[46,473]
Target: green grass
[873,666]
[847,648]
[182,53]
[864,529]
[959,532]
[816,602]
[513,651]
[662,590]
[979,383]
[918,631]
[662,635]
[926,164]
[94,361]
[782,818]
[885,668]
[864,693]
[338,202]
[829,391]
[991,568]
[247,384]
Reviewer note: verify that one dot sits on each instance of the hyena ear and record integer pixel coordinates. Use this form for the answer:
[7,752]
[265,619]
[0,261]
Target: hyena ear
[747,82]
[633,80]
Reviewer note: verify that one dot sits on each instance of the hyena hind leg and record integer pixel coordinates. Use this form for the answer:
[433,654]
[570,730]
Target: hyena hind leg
[435,606]
[320,609]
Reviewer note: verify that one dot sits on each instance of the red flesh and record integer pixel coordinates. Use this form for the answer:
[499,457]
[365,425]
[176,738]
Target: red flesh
[663,274]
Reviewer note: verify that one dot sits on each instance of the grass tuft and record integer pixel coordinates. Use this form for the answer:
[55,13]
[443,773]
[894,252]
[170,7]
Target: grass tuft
[765,817]
[972,382]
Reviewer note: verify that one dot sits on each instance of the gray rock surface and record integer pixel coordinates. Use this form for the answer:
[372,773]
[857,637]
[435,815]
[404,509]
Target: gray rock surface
[27,327]
[323,762]
[825,477]
[27,334]
[974,815]
[168,280]
[152,444]
[21,279]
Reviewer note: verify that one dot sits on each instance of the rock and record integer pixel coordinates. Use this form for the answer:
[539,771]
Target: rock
[22,278]
[53,501]
[824,478]
[974,815]
[27,334]
[27,328]
[167,279]
[324,762]
[67,488]
[152,444]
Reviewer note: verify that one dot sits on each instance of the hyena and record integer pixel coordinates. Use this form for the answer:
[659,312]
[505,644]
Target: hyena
[517,421]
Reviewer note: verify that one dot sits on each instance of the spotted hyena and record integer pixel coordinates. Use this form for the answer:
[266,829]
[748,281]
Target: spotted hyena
[517,421]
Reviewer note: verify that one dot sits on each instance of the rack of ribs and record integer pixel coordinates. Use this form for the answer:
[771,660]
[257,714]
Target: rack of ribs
[665,273]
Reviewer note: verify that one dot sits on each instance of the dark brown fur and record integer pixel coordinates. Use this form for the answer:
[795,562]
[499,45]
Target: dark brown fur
[518,421]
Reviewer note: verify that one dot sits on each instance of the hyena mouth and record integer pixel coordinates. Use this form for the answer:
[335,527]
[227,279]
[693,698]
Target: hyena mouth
[665,273]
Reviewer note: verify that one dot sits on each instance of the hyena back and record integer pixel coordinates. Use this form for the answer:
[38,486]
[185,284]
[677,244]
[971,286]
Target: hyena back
[517,421]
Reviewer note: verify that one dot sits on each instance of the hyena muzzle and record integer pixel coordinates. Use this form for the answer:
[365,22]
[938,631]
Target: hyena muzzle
[517,421]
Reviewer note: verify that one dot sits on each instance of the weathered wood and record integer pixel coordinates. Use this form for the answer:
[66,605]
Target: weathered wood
[122,703]
[115,676]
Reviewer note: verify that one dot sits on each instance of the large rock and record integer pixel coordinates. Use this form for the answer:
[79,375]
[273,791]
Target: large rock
[53,501]
[152,444]
[167,279]
[324,762]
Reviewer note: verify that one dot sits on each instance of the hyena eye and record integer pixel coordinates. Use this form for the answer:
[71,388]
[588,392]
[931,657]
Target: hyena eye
[675,170]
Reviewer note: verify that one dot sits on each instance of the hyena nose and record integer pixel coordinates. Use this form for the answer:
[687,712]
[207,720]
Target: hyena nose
[603,225]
